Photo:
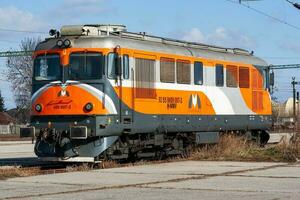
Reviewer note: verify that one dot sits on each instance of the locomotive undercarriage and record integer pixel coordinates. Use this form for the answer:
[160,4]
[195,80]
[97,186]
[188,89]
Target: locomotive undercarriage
[159,146]
[51,143]
[152,145]
[117,141]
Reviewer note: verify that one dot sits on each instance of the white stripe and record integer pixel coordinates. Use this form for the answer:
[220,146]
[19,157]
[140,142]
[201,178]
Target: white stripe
[37,93]
[225,101]
[108,102]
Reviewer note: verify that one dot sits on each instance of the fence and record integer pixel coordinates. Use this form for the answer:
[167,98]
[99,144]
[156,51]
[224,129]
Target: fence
[10,129]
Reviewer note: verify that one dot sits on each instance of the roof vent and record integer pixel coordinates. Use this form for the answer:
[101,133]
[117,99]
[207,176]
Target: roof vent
[91,29]
[241,51]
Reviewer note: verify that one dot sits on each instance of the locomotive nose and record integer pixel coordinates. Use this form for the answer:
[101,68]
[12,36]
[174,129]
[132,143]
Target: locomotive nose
[76,99]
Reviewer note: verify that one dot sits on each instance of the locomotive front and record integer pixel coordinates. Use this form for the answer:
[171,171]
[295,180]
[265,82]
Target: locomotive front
[74,110]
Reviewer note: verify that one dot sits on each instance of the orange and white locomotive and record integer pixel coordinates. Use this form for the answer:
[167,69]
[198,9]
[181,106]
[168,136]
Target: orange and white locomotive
[100,91]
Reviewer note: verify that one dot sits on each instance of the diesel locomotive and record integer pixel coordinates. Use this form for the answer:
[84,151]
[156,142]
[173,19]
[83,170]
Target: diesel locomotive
[101,92]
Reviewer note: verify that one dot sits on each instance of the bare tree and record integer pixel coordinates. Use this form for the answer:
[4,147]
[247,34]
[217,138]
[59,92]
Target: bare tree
[19,75]
[2,105]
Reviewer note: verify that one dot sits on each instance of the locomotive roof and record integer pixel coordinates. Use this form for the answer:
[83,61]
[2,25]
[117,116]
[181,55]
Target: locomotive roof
[109,36]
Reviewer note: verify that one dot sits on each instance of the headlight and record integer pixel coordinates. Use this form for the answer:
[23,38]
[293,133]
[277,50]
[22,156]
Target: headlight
[59,43]
[88,107]
[67,43]
[52,32]
[38,107]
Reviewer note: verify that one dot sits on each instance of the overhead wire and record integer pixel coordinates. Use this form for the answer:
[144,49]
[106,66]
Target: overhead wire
[21,31]
[285,58]
[265,14]
[9,41]
[296,5]
[282,86]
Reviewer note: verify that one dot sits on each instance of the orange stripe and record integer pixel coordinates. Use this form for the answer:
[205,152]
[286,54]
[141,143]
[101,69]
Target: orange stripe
[167,102]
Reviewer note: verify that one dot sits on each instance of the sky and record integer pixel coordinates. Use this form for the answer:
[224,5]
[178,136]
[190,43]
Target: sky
[217,22]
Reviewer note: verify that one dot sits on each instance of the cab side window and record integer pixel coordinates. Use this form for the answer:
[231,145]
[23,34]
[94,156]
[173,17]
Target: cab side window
[111,69]
[125,69]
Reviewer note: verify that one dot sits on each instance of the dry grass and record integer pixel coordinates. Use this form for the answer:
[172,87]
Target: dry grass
[15,171]
[229,148]
[86,166]
[108,164]
[236,148]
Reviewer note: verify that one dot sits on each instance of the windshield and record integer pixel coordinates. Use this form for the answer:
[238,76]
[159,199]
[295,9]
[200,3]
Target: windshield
[47,68]
[85,66]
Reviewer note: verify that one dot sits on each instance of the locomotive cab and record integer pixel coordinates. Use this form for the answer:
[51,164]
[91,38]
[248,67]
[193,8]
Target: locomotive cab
[72,101]
[68,101]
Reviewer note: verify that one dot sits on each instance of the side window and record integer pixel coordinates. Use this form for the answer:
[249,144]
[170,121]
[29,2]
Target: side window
[198,73]
[183,70]
[125,67]
[145,78]
[167,70]
[231,76]
[244,79]
[219,75]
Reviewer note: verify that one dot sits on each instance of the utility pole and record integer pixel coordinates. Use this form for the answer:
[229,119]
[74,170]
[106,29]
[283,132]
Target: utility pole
[294,83]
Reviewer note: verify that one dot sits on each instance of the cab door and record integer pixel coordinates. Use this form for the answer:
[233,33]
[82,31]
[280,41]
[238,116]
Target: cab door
[126,90]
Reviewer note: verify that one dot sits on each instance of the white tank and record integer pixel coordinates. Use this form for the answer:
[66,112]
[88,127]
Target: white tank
[285,110]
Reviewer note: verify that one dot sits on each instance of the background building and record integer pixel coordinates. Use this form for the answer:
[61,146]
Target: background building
[7,124]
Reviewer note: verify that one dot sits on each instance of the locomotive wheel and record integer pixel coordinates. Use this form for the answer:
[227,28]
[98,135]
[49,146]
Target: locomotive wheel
[132,157]
[186,152]
[263,138]
[160,155]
